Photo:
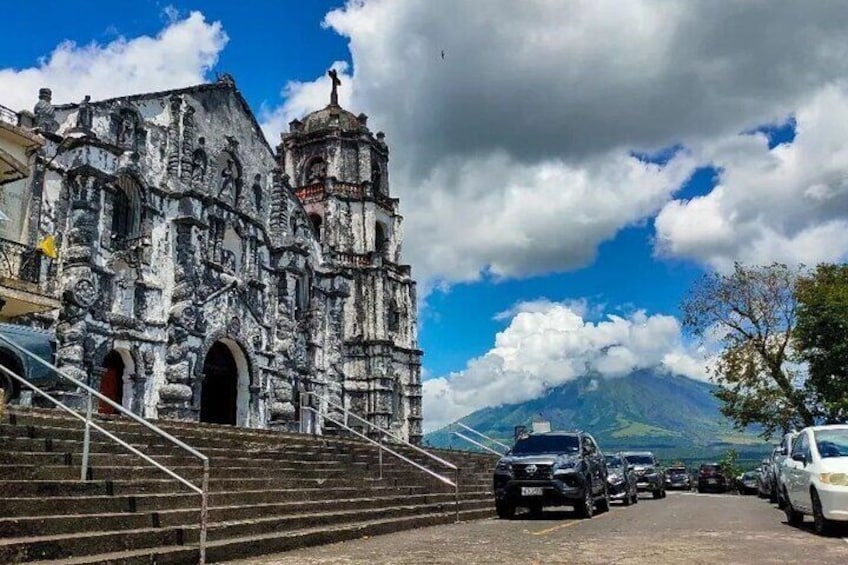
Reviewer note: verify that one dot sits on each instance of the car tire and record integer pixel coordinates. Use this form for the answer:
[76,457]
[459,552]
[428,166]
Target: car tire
[635,496]
[603,504]
[822,525]
[657,494]
[505,510]
[773,495]
[627,500]
[664,493]
[586,508]
[793,517]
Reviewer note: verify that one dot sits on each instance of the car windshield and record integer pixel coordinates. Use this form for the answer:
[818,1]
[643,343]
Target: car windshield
[832,443]
[614,461]
[710,468]
[546,444]
[677,471]
[640,459]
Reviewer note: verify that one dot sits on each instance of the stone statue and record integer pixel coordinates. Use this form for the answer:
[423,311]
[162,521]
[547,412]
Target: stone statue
[257,193]
[45,114]
[229,174]
[84,114]
[334,93]
[126,129]
[199,162]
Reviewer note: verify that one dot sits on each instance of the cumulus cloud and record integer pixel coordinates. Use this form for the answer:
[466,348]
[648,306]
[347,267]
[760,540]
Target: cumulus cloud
[512,155]
[788,203]
[549,343]
[180,55]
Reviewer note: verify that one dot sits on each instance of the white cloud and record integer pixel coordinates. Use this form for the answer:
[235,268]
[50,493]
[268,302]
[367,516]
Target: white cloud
[787,204]
[549,343]
[180,55]
[511,155]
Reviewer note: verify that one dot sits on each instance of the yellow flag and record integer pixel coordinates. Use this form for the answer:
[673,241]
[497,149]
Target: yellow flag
[48,247]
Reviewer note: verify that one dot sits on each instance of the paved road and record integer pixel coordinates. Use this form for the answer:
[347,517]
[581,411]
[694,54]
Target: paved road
[682,528]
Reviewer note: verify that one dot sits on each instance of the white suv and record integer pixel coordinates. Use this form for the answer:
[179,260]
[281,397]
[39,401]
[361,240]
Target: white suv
[816,477]
[784,455]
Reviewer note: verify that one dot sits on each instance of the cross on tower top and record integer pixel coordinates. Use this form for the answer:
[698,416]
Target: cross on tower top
[334,94]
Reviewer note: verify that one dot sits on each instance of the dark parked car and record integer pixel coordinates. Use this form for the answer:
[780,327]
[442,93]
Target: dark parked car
[36,341]
[765,487]
[552,469]
[748,483]
[621,480]
[711,478]
[677,477]
[649,476]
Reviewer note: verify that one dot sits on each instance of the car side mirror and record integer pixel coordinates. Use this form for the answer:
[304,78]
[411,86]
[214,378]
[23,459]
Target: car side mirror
[631,467]
[508,452]
[799,457]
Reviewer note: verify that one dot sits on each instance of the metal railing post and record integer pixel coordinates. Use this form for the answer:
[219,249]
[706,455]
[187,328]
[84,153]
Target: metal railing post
[86,440]
[456,492]
[204,511]
[380,451]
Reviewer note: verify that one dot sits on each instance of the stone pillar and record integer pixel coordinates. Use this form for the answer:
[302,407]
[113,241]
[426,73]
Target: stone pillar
[79,286]
[174,137]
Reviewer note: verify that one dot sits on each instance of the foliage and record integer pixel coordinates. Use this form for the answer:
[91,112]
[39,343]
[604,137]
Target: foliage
[730,464]
[751,312]
[821,338]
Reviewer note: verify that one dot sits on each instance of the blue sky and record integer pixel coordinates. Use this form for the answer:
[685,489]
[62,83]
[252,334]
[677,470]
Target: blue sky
[560,193]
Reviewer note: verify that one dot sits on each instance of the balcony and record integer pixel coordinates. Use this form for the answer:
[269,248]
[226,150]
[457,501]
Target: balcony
[16,144]
[21,288]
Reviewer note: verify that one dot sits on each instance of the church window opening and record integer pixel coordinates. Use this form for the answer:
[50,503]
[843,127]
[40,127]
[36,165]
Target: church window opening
[380,239]
[301,297]
[315,171]
[376,175]
[126,211]
[394,317]
[316,224]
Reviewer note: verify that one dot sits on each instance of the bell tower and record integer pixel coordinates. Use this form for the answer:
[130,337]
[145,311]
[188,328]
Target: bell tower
[339,170]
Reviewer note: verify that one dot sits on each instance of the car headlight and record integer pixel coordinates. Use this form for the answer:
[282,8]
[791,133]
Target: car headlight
[615,478]
[650,473]
[838,479]
[563,468]
[504,466]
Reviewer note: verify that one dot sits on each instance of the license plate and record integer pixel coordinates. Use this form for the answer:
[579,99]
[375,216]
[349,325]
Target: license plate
[531,491]
[711,481]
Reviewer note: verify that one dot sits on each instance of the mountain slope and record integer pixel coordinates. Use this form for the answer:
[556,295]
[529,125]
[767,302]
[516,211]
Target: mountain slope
[672,415]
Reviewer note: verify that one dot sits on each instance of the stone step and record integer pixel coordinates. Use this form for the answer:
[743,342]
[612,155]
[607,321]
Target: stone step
[125,520]
[35,506]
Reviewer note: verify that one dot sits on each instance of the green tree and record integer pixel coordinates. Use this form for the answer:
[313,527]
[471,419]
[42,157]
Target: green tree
[821,338]
[751,313]
[729,465]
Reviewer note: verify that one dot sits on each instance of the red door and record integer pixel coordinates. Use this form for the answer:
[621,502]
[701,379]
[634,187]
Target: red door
[111,384]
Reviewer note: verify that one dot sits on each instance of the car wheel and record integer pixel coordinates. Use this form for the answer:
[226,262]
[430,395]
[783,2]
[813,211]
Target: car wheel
[823,526]
[657,494]
[635,496]
[604,503]
[505,510]
[586,508]
[628,499]
[773,495]
[793,517]
[664,493]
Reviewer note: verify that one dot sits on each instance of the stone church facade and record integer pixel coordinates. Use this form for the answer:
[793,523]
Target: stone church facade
[205,275]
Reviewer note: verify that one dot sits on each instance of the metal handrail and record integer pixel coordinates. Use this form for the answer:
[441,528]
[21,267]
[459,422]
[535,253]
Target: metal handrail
[384,431]
[382,447]
[478,444]
[203,490]
[482,435]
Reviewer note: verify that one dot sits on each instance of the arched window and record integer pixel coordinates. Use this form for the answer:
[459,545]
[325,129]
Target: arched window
[316,224]
[126,210]
[314,171]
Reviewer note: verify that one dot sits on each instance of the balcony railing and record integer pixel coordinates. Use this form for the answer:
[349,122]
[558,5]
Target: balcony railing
[8,115]
[19,261]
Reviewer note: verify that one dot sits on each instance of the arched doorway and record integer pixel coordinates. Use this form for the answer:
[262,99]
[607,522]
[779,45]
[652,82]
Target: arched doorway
[112,382]
[219,397]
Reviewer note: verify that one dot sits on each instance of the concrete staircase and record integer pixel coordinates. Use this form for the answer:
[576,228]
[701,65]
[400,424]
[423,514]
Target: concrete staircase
[269,492]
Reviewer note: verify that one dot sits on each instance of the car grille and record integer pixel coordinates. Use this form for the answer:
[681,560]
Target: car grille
[531,471]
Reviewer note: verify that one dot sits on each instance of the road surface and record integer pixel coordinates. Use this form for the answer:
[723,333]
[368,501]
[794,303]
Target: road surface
[682,528]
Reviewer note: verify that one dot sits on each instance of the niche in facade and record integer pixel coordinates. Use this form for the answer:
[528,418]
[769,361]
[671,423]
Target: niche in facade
[229,178]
